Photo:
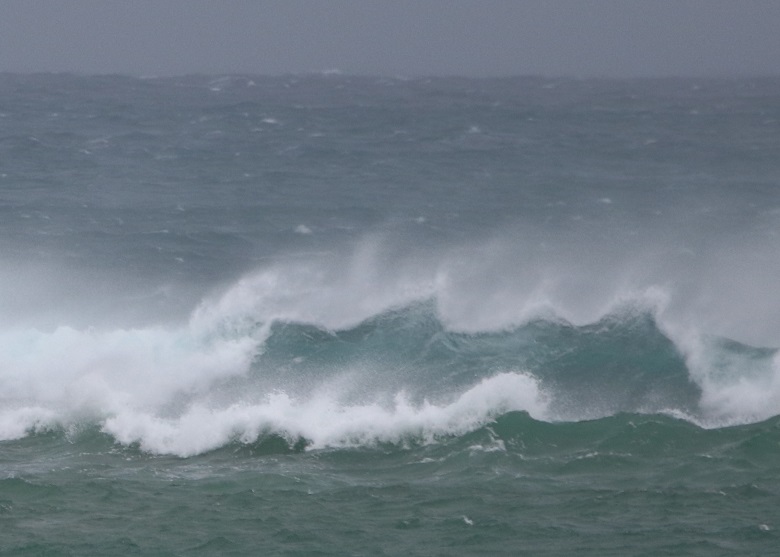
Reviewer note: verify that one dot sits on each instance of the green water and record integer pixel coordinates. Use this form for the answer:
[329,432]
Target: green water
[628,485]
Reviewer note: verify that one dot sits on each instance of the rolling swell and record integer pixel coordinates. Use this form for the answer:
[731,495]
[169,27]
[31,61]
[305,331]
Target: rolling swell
[399,377]
[402,377]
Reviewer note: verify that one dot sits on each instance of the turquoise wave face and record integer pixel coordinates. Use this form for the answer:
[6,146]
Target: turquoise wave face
[622,363]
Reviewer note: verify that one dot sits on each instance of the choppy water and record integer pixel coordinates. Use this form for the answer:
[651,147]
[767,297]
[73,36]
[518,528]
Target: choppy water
[328,315]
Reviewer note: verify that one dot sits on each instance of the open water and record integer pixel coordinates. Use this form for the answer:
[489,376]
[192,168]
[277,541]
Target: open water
[331,315]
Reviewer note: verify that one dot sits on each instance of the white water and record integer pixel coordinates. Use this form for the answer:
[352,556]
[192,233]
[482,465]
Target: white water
[324,421]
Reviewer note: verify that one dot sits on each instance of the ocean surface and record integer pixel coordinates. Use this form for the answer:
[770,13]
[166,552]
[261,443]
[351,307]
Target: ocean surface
[334,315]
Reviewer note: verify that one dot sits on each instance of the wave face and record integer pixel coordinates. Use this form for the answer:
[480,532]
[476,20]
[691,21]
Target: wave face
[323,314]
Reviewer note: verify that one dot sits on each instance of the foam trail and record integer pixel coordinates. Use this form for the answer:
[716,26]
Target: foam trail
[324,421]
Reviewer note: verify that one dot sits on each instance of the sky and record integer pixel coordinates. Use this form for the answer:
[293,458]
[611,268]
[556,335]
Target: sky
[581,38]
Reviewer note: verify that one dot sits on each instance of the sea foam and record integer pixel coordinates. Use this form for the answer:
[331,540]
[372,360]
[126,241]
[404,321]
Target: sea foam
[324,421]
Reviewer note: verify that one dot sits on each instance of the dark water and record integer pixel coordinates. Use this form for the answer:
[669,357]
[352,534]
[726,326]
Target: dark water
[329,315]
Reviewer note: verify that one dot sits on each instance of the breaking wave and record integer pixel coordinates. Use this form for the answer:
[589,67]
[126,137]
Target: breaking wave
[352,355]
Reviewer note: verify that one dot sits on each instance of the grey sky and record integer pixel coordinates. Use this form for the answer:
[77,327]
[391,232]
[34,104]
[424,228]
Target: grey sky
[393,37]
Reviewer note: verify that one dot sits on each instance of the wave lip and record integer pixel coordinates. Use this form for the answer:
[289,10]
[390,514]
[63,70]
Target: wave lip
[739,383]
[324,422]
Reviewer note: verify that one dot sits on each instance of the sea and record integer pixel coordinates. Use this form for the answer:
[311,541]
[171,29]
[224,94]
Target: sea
[335,315]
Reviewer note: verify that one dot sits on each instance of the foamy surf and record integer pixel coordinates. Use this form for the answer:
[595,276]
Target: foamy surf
[325,421]
[316,353]
[69,375]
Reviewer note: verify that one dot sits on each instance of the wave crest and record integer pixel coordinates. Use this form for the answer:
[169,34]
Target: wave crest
[325,421]
[357,352]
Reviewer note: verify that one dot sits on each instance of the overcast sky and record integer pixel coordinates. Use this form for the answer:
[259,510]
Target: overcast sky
[393,37]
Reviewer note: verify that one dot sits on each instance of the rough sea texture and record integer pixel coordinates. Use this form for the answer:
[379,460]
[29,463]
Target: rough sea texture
[331,315]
